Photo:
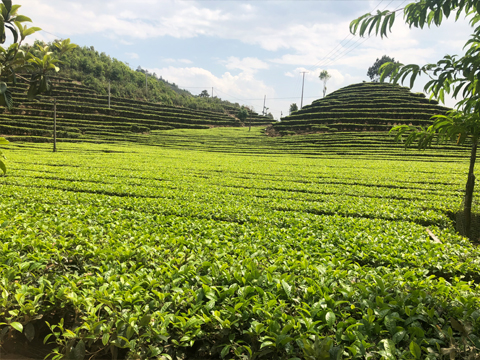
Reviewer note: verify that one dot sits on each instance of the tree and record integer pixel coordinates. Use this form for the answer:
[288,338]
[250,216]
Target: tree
[242,114]
[293,108]
[451,74]
[455,126]
[2,164]
[373,71]
[324,76]
[15,59]
[204,94]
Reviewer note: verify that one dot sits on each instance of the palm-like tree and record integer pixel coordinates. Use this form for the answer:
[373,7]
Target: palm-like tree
[324,76]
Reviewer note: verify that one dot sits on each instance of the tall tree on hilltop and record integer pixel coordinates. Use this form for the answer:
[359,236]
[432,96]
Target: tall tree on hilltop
[293,108]
[324,76]
[204,94]
[452,74]
[373,71]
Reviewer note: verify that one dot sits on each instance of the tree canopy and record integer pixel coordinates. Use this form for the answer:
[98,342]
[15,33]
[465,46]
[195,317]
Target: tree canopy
[242,114]
[373,71]
[204,94]
[324,76]
[293,107]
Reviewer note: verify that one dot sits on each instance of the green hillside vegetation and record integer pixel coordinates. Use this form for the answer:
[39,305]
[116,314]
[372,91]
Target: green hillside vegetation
[95,70]
[362,107]
[83,115]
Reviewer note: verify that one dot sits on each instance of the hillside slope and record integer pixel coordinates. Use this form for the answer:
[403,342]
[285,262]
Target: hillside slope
[97,71]
[84,115]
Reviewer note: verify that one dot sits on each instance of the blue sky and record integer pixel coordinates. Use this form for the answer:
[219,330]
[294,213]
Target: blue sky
[244,49]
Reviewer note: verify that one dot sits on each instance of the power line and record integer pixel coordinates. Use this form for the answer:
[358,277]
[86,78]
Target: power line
[358,42]
[340,43]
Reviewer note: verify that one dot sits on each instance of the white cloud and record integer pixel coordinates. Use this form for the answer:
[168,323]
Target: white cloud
[227,86]
[132,55]
[248,64]
[173,61]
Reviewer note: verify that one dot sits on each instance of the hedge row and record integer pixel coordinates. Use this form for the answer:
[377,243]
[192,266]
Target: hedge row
[108,118]
[77,108]
[65,105]
[17,130]
[329,116]
[371,105]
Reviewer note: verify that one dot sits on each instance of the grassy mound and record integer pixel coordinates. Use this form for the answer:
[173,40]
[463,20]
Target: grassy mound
[362,107]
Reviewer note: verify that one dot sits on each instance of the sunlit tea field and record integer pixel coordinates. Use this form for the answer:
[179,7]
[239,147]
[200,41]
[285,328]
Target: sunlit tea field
[188,250]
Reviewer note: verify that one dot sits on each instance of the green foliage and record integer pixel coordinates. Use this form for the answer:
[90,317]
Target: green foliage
[374,71]
[98,71]
[324,76]
[293,108]
[455,126]
[242,114]
[204,94]
[2,163]
[270,262]
[16,58]
[452,74]
[449,75]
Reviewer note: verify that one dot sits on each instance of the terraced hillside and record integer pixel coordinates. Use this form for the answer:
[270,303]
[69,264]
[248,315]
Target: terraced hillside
[82,114]
[362,107]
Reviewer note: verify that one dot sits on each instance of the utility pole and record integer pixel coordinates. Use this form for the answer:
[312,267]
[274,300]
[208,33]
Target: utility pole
[264,100]
[146,84]
[212,92]
[303,82]
[55,125]
[109,94]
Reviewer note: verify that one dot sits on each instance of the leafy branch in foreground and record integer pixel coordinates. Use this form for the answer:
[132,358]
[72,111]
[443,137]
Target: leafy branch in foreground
[451,74]
[15,59]
[454,126]
[3,141]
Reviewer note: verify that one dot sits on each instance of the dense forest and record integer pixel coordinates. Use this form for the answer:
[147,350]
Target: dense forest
[96,70]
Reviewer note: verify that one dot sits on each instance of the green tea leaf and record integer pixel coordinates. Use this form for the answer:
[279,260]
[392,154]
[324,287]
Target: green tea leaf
[415,350]
[330,318]
[17,326]
[287,288]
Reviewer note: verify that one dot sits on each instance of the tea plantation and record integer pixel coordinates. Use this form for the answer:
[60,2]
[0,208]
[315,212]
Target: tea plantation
[367,106]
[225,243]
[84,115]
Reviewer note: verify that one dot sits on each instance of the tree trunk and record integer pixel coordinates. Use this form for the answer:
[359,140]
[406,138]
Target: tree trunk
[467,210]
